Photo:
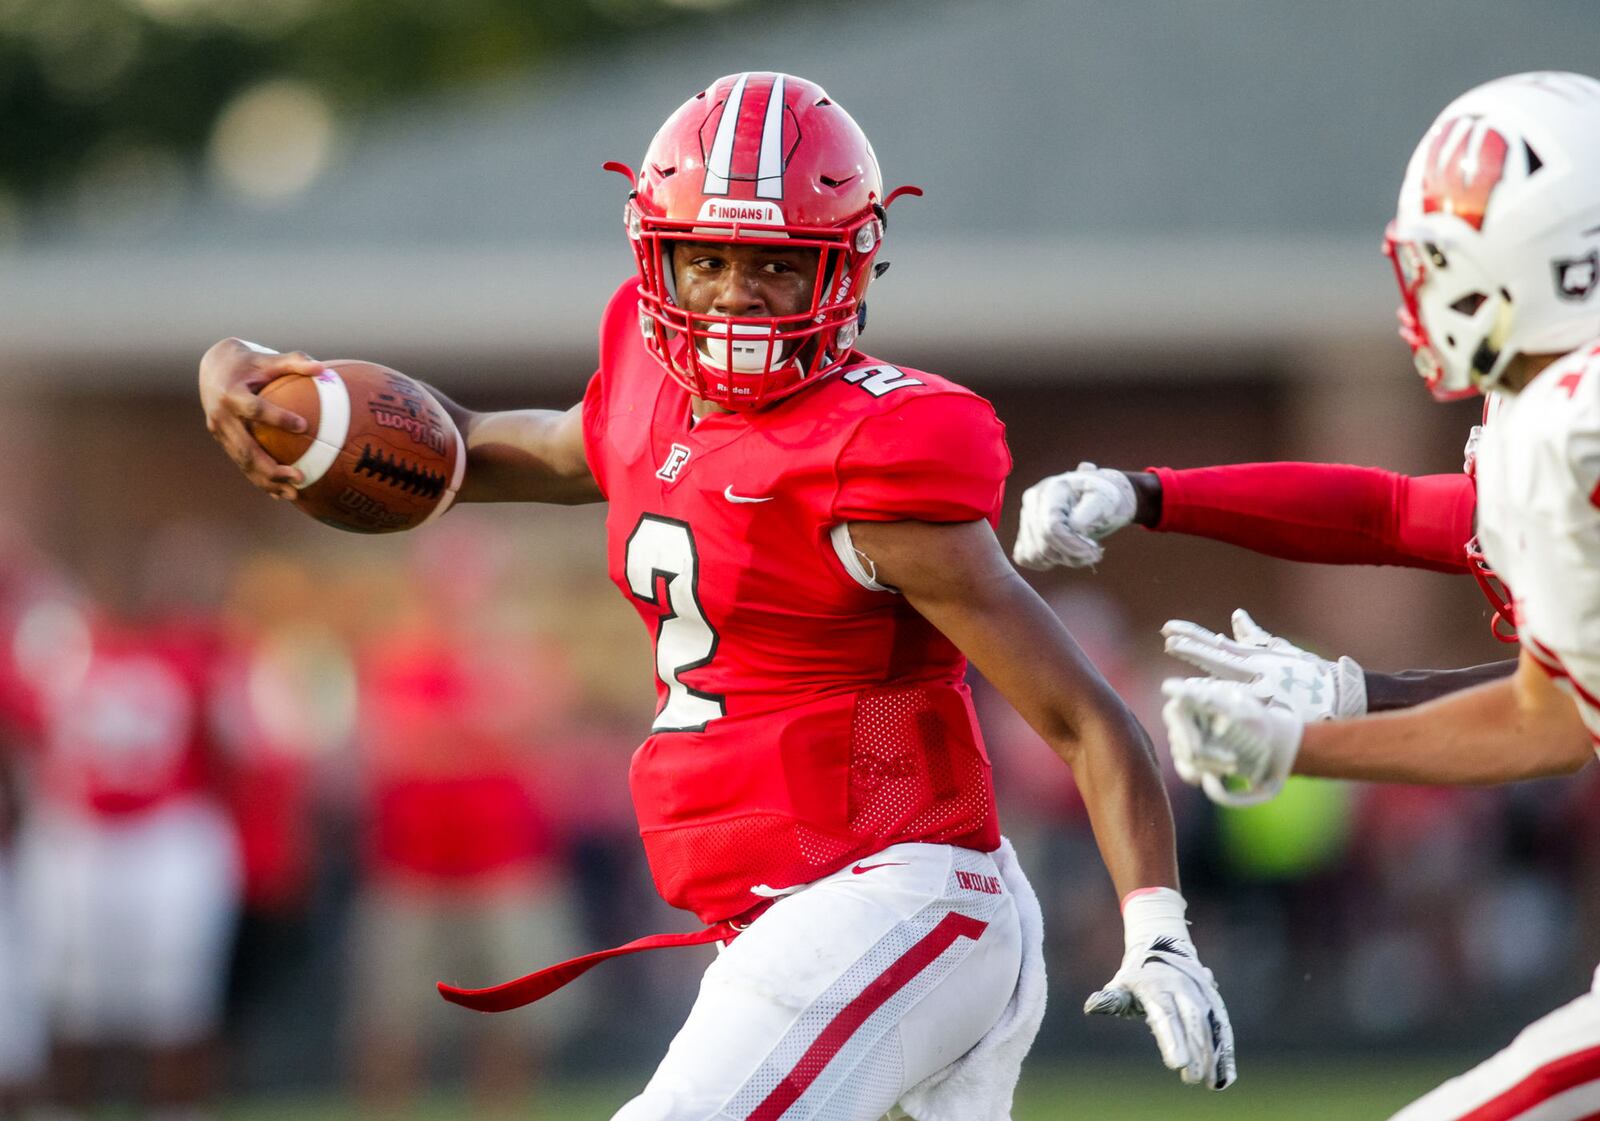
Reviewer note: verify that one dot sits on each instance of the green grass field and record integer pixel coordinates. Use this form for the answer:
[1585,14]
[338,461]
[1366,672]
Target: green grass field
[1095,1092]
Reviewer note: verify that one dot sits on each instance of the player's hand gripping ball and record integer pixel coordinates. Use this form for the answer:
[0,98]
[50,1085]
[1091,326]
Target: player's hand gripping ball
[379,454]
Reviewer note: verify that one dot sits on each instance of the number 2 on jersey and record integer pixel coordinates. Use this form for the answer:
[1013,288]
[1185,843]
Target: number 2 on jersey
[663,569]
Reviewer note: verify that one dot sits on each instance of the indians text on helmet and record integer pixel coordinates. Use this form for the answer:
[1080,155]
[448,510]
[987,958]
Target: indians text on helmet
[1465,163]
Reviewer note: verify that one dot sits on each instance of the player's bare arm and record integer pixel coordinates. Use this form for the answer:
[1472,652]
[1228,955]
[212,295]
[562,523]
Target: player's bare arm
[958,578]
[524,455]
[1462,739]
[1521,727]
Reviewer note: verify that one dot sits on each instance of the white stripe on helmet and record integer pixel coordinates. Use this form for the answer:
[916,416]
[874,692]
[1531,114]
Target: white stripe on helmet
[769,173]
[719,165]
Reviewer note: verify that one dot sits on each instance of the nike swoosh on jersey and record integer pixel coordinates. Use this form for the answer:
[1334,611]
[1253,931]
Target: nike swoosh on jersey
[860,868]
[731,497]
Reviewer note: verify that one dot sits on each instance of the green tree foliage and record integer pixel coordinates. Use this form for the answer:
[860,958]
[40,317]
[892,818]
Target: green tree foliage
[81,80]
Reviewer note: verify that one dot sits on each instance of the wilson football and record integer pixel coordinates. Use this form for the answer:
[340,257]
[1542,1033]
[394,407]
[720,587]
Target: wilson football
[380,453]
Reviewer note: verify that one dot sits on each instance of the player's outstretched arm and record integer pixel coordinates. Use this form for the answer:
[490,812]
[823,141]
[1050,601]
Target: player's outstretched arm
[1312,687]
[957,577]
[1328,513]
[526,455]
[1387,692]
[1521,727]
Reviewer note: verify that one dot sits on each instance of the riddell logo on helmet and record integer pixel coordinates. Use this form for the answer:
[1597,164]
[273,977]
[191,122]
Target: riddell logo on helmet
[725,210]
[1466,162]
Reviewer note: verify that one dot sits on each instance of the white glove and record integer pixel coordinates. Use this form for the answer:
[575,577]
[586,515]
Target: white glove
[1162,980]
[1220,730]
[1066,516]
[1276,669]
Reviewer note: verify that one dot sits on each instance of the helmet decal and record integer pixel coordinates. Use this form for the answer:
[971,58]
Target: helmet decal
[1576,276]
[726,211]
[771,156]
[1464,165]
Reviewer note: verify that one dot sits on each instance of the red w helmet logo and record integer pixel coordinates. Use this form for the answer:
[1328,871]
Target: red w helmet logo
[1465,164]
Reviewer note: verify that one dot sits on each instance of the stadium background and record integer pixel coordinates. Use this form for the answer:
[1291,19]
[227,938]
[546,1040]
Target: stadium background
[1150,236]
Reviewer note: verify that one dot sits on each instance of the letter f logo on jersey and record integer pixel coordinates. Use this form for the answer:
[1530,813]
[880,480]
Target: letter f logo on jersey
[750,144]
[676,458]
[1466,162]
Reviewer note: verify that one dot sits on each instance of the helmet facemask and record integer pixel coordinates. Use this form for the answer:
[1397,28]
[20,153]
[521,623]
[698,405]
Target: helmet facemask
[1454,319]
[742,361]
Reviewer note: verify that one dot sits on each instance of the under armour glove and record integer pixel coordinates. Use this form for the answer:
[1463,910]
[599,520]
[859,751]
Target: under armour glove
[1162,981]
[1066,516]
[1276,669]
[1224,738]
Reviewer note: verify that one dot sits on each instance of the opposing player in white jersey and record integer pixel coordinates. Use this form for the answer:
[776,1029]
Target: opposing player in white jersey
[1497,248]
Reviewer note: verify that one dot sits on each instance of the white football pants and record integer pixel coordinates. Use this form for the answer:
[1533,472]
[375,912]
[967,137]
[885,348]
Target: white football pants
[132,920]
[845,994]
[1550,1072]
[22,1026]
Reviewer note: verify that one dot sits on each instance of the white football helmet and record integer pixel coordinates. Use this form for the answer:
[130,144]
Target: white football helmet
[1496,241]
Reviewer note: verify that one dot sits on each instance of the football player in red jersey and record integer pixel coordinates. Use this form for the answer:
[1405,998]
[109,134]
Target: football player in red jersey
[128,860]
[1496,243]
[808,534]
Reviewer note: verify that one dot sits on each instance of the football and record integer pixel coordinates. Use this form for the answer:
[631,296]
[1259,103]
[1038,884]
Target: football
[380,453]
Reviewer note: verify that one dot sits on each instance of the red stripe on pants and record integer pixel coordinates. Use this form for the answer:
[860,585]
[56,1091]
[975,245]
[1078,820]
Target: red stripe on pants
[853,1015]
[1553,1078]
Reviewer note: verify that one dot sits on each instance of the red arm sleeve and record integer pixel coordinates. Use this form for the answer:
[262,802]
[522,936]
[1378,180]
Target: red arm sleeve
[1325,512]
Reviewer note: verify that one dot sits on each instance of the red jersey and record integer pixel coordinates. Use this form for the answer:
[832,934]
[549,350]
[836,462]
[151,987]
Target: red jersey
[131,732]
[807,716]
[450,793]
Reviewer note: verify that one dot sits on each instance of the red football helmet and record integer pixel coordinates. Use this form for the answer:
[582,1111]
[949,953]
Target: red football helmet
[751,158]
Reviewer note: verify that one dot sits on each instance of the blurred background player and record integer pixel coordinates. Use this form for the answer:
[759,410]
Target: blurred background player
[809,535]
[460,867]
[1496,245]
[130,863]
[22,1028]
[36,642]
